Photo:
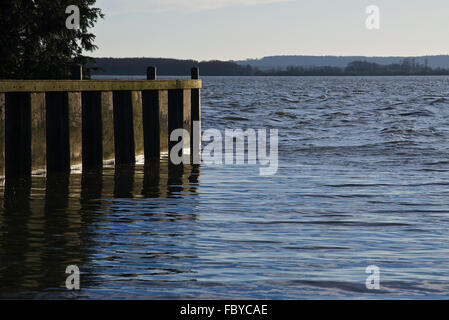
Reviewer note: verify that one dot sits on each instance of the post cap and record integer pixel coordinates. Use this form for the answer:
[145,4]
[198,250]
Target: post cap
[195,73]
[77,72]
[151,73]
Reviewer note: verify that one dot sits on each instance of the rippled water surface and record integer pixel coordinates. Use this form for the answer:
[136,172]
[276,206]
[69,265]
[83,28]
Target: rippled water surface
[363,180]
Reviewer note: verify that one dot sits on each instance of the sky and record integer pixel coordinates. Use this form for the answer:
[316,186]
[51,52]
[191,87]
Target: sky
[243,29]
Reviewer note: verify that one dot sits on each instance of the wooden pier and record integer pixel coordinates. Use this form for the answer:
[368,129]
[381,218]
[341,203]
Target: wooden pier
[54,124]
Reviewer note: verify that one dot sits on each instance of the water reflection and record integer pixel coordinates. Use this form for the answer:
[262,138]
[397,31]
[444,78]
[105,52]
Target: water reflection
[124,181]
[48,223]
[15,249]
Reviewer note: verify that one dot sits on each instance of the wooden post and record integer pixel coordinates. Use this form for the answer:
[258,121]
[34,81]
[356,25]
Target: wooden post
[107,124]
[187,119]
[57,132]
[195,140]
[38,131]
[77,72]
[163,120]
[17,134]
[123,128]
[138,123]
[75,118]
[151,73]
[179,117]
[2,134]
[155,120]
[92,140]
[195,73]
[75,127]
[175,115]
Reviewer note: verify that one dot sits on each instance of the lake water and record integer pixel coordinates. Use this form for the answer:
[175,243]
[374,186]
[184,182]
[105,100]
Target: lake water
[363,180]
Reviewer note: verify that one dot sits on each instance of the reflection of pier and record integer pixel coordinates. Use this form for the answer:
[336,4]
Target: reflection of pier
[53,125]
[47,223]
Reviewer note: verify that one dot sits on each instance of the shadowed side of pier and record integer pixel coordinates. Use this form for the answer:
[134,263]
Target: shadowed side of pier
[17,134]
[195,142]
[2,134]
[123,128]
[92,129]
[155,120]
[54,125]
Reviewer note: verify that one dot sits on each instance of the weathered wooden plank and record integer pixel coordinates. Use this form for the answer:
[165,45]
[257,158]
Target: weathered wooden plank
[95,85]
[138,122]
[92,129]
[75,128]
[57,132]
[17,134]
[187,119]
[155,122]
[151,73]
[2,134]
[195,142]
[163,120]
[179,117]
[107,125]
[123,128]
[38,131]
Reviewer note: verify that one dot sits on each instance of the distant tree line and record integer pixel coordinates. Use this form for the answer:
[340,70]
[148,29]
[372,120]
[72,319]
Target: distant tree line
[35,42]
[168,67]
[362,68]
[137,66]
[283,62]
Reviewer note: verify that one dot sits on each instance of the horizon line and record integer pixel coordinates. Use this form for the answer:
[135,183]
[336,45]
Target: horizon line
[284,55]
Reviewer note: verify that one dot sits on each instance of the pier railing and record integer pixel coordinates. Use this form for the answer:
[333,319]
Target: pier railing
[54,124]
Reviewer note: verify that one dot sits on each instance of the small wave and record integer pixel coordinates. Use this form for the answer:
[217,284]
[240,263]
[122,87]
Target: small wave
[332,223]
[282,114]
[398,130]
[290,100]
[423,113]
[440,100]
[235,118]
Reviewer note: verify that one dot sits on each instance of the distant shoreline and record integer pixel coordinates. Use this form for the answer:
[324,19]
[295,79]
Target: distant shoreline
[141,76]
[173,67]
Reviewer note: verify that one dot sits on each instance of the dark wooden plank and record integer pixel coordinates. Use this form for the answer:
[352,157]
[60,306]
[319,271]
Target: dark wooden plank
[57,132]
[92,129]
[17,134]
[123,128]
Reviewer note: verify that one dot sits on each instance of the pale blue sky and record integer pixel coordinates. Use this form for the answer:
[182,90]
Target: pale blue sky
[240,29]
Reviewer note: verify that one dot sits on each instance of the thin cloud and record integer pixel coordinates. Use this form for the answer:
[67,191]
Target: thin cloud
[120,6]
